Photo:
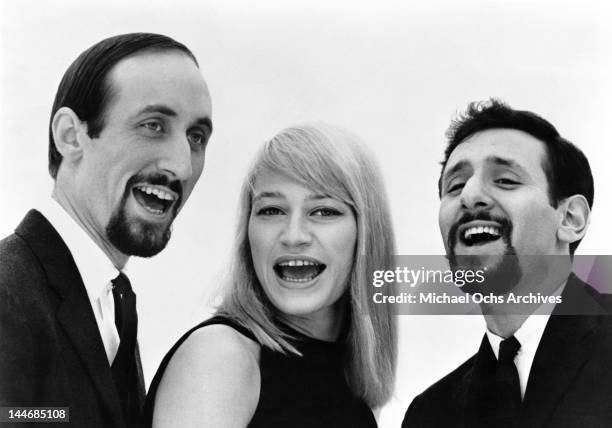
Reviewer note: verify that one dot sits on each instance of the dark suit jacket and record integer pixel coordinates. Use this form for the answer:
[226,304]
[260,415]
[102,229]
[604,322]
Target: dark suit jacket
[570,383]
[51,352]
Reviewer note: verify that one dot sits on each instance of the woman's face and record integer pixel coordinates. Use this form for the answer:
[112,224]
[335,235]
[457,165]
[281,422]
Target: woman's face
[302,243]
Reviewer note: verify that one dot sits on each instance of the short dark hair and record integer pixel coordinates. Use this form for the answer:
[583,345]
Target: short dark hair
[85,87]
[566,167]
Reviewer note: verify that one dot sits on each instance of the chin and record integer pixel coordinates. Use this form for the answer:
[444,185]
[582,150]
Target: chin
[135,237]
[297,307]
[500,277]
[473,261]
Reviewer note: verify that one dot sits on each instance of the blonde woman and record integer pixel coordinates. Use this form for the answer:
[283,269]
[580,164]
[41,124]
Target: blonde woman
[296,341]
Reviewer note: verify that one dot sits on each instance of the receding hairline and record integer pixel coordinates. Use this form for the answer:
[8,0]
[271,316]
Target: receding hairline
[110,85]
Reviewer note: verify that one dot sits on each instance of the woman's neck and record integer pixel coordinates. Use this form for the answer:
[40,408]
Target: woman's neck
[325,324]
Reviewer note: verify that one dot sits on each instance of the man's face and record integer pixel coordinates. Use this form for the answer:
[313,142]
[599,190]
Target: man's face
[133,179]
[495,202]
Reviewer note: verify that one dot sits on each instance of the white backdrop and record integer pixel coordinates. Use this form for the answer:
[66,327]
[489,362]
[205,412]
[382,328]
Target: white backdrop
[395,73]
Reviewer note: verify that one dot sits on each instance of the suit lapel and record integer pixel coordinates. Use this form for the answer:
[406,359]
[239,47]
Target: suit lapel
[565,347]
[75,314]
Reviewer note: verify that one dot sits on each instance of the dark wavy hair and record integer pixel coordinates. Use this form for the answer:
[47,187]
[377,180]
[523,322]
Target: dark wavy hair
[85,87]
[565,165]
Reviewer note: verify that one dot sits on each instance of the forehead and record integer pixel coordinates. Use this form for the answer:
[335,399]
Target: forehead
[275,184]
[169,78]
[491,146]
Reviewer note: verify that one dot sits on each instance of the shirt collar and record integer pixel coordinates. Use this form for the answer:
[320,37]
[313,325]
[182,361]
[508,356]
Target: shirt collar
[529,333]
[95,267]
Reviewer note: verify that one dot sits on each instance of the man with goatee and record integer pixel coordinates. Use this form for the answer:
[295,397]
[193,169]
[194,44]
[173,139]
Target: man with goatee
[127,140]
[515,200]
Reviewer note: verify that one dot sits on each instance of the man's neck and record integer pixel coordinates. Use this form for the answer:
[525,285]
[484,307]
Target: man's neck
[504,319]
[504,325]
[115,256]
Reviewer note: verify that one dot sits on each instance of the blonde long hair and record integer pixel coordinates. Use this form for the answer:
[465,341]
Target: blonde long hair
[334,162]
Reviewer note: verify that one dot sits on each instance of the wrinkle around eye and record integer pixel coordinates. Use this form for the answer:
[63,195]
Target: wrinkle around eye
[153,126]
[455,188]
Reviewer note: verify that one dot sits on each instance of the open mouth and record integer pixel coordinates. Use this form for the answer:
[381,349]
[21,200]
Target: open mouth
[298,270]
[154,199]
[479,235]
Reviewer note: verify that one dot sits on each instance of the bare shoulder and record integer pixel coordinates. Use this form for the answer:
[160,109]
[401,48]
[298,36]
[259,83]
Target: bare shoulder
[223,339]
[213,379]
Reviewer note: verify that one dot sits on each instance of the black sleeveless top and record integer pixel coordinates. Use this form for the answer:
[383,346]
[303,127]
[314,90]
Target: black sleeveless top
[296,392]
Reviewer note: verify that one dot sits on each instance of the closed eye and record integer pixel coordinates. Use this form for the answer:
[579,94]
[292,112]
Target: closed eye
[455,187]
[507,182]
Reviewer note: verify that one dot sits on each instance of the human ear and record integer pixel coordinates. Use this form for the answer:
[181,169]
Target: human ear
[68,133]
[576,214]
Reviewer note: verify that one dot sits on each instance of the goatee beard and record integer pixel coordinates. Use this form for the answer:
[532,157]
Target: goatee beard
[136,237]
[499,278]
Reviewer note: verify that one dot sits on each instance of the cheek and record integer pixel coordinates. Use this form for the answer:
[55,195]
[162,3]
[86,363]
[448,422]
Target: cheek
[197,165]
[545,222]
[538,225]
[343,242]
[99,187]
[444,218]
[258,241]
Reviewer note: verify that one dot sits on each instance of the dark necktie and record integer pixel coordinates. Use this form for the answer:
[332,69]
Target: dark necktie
[494,394]
[506,385]
[508,374]
[124,365]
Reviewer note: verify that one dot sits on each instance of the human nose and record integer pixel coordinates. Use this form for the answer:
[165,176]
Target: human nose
[475,195]
[296,232]
[176,158]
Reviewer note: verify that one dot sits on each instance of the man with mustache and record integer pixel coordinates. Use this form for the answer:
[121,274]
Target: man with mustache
[127,140]
[515,200]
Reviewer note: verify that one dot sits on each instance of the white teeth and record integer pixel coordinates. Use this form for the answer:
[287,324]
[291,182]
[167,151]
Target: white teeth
[298,279]
[286,276]
[491,230]
[161,194]
[298,263]
[154,211]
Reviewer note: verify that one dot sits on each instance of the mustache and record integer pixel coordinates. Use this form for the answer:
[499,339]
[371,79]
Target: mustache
[505,225]
[158,180]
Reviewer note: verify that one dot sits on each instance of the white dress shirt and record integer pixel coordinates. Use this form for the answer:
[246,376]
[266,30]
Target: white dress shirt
[529,336]
[96,270]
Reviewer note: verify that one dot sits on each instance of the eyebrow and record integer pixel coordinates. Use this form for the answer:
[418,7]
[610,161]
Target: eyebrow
[167,111]
[496,160]
[269,194]
[158,108]
[457,167]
